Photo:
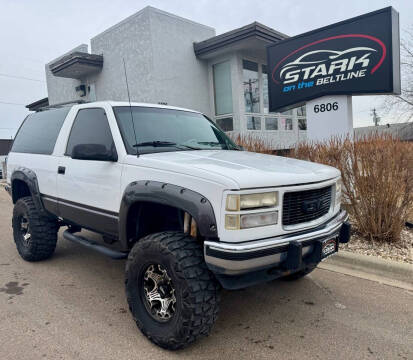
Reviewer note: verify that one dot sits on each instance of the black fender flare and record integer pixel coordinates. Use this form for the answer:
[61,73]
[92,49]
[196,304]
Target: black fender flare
[29,177]
[187,200]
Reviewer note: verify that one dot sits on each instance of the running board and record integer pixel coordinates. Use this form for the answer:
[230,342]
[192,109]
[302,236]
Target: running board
[94,246]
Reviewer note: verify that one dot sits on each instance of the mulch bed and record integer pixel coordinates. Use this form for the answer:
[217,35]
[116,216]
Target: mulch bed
[399,251]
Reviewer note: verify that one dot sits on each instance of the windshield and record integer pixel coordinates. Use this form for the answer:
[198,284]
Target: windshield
[159,130]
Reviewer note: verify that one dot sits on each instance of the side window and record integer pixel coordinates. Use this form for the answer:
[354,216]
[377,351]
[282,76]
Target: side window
[39,132]
[90,127]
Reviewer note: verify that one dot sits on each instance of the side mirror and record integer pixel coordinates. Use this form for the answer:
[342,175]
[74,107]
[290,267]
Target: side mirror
[95,152]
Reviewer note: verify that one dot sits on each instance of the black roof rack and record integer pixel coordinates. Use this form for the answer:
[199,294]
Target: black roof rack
[62,104]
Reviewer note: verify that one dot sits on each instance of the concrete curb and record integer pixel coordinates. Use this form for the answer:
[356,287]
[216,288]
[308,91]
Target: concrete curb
[372,268]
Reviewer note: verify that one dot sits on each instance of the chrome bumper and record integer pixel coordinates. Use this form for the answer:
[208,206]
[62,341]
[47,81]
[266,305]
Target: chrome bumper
[235,259]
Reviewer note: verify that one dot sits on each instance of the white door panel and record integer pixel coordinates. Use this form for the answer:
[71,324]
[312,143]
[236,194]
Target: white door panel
[92,183]
[89,190]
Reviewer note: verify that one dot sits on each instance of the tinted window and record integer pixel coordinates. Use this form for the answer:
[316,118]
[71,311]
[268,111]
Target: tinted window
[253,123]
[264,80]
[251,86]
[302,124]
[90,127]
[222,88]
[39,132]
[271,123]
[225,124]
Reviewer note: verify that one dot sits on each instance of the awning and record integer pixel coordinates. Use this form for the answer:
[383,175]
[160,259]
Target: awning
[77,65]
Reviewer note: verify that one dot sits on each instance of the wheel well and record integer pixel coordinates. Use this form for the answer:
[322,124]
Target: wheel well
[19,189]
[146,218]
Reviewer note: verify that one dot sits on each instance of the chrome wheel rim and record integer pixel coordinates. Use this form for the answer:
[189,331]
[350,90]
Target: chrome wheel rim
[25,230]
[159,293]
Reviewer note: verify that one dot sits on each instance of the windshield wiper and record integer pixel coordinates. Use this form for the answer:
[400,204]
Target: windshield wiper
[209,143]
[159,143]
[155,143]
[229,146]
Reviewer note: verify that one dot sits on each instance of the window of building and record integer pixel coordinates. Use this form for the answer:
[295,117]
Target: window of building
[302,124]
[251,86]
[271,123]
[226,124]
[253,123]
[264,81]
[286,123]
[90,127]
[39,132]
[222,88]
[301,111]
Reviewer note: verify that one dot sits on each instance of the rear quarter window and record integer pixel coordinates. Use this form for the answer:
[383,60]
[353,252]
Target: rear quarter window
[39,132]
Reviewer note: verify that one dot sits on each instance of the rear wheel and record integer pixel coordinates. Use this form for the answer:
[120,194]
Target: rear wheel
[35,235]
[171,293]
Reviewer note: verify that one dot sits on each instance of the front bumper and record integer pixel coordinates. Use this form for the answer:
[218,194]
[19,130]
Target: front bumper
[288,253]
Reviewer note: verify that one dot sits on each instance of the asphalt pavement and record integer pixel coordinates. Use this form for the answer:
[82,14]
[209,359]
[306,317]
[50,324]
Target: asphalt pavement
[73,307]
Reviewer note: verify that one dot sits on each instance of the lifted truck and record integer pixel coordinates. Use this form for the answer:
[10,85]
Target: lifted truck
[169,191]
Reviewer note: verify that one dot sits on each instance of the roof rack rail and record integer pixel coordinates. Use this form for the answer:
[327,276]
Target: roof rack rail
[62,104]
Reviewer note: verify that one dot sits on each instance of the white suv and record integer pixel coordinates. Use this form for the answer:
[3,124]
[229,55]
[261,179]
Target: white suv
[169,191]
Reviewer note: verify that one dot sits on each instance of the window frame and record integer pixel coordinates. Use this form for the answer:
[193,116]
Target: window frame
[222,61]
[73,124]
[55,141]
[223,118]
[260,93]
[289,117]
[276,118]
[260,122]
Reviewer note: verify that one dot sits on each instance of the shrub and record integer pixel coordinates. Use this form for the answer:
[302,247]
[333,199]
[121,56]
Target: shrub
[377,174]
[252,143]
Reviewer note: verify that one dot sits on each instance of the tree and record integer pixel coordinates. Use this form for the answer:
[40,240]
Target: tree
[402,105]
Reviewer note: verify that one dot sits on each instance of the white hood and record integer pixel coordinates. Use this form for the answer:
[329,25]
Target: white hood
[247,169]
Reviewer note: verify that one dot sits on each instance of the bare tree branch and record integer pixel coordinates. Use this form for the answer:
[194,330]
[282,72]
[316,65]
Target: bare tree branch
[401,106]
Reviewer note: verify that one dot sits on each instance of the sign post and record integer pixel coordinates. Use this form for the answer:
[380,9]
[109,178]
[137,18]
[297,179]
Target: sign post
[329,116]
[324,67]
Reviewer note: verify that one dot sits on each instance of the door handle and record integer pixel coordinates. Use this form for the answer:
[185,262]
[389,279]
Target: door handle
[61,170]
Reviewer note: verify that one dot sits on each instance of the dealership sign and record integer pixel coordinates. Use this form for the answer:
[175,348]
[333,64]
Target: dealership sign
[357,56]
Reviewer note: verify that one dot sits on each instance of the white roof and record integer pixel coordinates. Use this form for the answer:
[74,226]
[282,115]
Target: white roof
[126,103]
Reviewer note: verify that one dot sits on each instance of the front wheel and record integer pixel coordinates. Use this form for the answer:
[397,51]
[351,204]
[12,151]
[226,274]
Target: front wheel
[172,295]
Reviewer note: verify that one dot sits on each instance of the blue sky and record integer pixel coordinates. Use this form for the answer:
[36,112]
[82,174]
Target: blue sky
[34,32]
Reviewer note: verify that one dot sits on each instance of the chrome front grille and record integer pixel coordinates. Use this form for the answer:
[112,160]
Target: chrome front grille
[304,206]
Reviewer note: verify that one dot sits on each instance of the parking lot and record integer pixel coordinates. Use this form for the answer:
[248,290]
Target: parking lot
[73,307]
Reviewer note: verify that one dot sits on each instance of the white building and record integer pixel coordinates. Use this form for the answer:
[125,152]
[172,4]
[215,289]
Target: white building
[176,61]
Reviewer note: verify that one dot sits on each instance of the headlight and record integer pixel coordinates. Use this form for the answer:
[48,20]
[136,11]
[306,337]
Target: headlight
[339,185]
[246,221]
[236,202]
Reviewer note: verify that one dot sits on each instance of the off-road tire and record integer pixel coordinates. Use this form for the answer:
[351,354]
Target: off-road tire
[43,230]
[299,274]
[197,291]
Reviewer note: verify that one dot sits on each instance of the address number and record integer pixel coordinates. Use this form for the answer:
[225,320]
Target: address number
[326,107]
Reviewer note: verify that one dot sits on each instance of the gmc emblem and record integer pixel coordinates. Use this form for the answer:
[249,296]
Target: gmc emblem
[311,206]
